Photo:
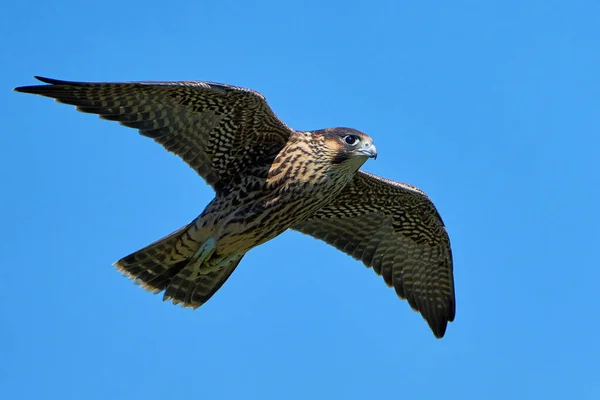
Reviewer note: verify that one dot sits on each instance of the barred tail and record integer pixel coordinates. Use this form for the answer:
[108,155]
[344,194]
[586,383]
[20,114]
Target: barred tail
[185,267]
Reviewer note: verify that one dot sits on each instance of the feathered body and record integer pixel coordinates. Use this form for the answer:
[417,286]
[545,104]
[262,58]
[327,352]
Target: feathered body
[269,178]
[270,201]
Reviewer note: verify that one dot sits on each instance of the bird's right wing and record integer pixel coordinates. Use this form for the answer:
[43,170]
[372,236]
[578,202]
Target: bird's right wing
[220,131]
[395,229]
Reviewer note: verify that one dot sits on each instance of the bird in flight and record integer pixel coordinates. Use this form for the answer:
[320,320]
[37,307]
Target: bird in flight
[268,178]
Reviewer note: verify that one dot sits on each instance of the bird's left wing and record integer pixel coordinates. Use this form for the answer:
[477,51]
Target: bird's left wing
[395,229]
[221,131]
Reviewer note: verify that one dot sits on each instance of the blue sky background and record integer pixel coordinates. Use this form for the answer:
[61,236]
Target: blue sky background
[490,107]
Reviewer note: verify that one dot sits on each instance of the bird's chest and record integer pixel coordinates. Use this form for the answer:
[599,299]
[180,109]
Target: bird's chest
[246,220]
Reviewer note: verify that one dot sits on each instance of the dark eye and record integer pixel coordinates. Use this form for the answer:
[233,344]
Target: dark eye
[351,139]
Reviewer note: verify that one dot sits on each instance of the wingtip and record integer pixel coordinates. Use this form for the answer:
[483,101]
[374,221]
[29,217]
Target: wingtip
[439,331]
[34,88]
[439,325]
[30,89]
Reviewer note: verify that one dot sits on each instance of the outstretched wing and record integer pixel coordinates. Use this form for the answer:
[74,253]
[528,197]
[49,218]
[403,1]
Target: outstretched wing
[221,131]
[395,229]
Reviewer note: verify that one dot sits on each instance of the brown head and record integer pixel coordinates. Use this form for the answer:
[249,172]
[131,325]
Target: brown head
[347,148]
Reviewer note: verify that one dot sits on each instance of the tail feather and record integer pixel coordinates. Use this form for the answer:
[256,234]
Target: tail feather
[169,264]
[153,266]
[194,285]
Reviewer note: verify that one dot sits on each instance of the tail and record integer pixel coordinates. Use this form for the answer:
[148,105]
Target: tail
[186,268]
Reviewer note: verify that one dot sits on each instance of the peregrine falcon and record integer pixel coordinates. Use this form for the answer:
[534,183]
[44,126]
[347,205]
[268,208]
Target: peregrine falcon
[269,178]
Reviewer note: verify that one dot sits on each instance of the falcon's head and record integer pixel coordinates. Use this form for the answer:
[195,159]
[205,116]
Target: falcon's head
[348,148]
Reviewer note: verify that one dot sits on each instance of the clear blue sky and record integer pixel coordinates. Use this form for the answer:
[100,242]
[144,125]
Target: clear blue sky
[490,107]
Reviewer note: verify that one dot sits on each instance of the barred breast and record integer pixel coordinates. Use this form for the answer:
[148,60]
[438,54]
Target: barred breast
[297,184]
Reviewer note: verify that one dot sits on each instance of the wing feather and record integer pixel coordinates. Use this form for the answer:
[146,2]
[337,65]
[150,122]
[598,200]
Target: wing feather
[395,229]
[218,130]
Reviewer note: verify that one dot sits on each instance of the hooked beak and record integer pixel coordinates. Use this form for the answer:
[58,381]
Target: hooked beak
[368,149]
